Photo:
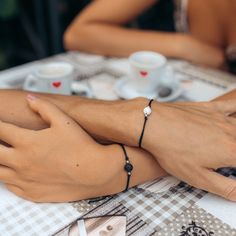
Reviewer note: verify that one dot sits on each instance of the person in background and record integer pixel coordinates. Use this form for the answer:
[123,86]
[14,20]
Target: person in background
[200,31]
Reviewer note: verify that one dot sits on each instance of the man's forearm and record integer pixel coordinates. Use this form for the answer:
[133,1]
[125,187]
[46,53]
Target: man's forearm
[107,120]
[14,108]
[111,121]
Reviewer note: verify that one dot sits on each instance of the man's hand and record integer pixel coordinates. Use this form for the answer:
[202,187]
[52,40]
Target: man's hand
[60,163]
[192,140]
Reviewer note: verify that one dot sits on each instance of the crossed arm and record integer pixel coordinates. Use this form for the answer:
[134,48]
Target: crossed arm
[83,169]
[44,174]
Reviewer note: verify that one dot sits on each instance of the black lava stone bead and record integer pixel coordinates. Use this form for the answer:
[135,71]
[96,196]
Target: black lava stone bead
[128,167]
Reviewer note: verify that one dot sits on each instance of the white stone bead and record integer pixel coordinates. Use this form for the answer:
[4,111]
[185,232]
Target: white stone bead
[147,111]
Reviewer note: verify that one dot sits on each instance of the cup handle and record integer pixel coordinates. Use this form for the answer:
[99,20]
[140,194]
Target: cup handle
[31,83]
[81,90]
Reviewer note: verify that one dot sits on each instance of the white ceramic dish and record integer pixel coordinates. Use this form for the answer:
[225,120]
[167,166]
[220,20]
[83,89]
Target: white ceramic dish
[124,89]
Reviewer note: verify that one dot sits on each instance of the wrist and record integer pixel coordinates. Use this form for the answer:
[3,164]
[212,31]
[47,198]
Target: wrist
[145,168]
[181,48]
[116,121]
[108,176]
[200,52]
[189,48]
[111,162]
[133,116]
[94,169]
[156,128]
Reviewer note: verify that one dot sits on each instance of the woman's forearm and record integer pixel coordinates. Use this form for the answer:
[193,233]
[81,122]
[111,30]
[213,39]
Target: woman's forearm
[112,40]
[99,28]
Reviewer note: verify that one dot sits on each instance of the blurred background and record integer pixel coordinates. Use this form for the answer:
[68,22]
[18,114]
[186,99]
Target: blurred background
[33,29]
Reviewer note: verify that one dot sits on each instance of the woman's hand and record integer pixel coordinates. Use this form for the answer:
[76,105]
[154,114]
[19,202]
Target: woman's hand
[192,140]
[60,163]
[201,53]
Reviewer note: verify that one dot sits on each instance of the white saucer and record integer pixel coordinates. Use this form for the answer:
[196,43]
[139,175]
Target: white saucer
[124,89]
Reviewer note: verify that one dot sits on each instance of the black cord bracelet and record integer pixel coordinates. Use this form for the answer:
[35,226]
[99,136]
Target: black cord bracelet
[128,167]
[147,112]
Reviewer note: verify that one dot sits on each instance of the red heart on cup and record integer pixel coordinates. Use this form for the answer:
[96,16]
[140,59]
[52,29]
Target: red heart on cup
[143,73]
[56,84]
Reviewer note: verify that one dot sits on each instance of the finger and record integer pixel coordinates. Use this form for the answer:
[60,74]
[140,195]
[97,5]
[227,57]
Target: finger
[219,185]
[48,111]
[227,107]
[7,175]
[16,190]
[7,157]
[11,134]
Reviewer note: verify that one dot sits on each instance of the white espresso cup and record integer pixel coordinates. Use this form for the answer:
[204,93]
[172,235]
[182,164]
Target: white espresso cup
[147,69]
[54,77]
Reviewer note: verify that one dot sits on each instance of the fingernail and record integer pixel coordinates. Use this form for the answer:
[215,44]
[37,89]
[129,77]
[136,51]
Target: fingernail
[31,97]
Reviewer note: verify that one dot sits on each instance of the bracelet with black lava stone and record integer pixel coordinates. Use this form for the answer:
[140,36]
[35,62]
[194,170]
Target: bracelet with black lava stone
[128,167]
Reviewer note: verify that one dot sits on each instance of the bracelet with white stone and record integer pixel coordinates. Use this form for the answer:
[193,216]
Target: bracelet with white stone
[147,111]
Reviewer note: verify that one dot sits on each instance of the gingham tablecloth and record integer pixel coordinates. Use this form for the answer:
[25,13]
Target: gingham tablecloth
[20,217]
[162,207]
